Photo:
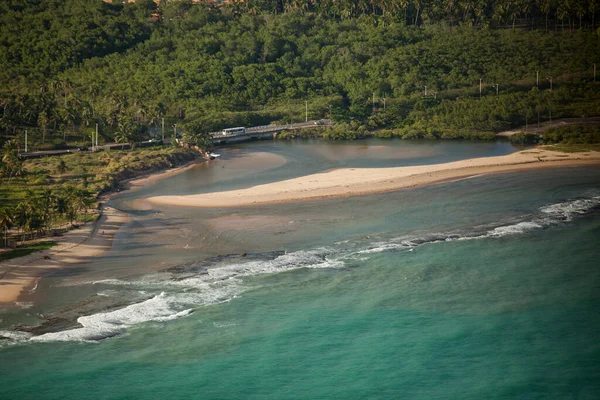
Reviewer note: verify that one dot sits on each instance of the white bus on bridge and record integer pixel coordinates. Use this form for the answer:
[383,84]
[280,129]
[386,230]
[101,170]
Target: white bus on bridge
[234,131]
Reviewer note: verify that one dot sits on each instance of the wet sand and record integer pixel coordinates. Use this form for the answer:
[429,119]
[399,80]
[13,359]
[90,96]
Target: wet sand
[20,275]
[360,181]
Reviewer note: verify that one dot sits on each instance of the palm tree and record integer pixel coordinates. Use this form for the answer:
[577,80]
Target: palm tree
[87,113]
[562,12]
[418,5]
[20,218]
[46,203]
[42,121]
[10,157]
[403,5]
[67,203]
[580,12]
[593,7]
[66,88]
[6,221]
[80,201]
[61,205]
[544,6]
[123,133]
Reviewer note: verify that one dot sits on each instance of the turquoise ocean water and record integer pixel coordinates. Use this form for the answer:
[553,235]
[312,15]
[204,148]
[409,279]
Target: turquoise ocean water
[488,287]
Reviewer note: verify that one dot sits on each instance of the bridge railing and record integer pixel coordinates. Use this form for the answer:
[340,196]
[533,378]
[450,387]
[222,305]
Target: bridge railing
[273,128]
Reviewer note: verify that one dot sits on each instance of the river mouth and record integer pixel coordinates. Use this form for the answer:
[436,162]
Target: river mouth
[487,279]
[158,238]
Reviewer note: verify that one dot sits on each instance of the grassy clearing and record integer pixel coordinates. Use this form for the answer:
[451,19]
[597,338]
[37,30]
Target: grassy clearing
[55,192]
[93,172]
[30,248]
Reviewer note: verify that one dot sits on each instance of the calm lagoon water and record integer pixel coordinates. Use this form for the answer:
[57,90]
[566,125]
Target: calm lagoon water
[483,288]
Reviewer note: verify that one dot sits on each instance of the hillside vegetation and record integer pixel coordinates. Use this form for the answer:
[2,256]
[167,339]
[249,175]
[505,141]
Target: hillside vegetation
[412,67]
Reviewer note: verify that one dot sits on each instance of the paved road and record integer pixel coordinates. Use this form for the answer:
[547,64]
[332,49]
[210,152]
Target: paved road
[249,131]
[47,153]
[36,154]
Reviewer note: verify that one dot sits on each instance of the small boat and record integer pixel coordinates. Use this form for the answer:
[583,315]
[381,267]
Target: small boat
[214,155]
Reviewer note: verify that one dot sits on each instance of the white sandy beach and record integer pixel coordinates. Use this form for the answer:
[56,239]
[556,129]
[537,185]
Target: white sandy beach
[20,275]
[360,181]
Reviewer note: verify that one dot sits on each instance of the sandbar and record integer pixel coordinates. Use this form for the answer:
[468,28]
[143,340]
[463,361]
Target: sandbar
[361,181]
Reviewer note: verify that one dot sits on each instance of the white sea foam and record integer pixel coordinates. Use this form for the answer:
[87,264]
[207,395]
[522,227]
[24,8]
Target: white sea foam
[317,258]
[15,336]
[114,282]
[216,285]
[515,229]
[548,215]
[107,293]
[102,325]
[225,280]
[568,209]
[385,246]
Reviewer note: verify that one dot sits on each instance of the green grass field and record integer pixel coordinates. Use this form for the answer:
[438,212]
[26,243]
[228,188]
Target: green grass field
[23,251]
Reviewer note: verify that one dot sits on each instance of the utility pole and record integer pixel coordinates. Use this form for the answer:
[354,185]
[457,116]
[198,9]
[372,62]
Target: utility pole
[537,79]
[163,129]
[25,140]
[306,103]
[96,135]
[384,103]
[550,79]
[497,90]
[174,131]
[480,80]
[425,90]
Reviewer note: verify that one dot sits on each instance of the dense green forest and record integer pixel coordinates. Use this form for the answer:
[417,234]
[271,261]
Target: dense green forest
[435,69]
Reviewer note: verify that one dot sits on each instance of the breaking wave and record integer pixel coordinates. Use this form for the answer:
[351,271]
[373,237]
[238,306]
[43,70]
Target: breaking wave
[545,217]
[180,289]
[103,325]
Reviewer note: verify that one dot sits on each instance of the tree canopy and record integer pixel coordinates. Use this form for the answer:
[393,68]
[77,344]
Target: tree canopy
[409,65]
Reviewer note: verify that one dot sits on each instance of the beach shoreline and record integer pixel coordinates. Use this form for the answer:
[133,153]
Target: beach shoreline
[152,177]
[20,276]
[348,182]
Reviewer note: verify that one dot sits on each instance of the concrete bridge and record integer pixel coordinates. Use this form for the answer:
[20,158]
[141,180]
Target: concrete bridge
[254,132]
[265,131]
